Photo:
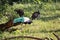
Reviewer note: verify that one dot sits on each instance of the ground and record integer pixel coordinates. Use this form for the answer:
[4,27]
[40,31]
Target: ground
[48,23]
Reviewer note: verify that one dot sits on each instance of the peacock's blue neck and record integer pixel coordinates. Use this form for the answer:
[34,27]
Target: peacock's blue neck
[20,19]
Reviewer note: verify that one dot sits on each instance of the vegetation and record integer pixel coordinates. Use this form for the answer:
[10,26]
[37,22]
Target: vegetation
[48,23]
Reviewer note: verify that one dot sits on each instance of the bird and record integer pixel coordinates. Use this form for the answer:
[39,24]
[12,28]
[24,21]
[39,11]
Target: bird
[35,15]
[22,17]
[20,12]
[24,20]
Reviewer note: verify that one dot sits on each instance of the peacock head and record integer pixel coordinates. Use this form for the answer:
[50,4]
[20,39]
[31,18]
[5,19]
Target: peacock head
[20,12]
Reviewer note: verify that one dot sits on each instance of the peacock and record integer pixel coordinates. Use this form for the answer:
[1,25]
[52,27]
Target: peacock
[23,20]
[35,15]
[20,12]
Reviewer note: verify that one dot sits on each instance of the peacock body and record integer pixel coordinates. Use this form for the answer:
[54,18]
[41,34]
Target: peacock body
[24,20]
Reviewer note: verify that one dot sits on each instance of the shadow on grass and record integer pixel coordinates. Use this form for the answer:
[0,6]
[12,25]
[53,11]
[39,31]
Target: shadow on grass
[50,17]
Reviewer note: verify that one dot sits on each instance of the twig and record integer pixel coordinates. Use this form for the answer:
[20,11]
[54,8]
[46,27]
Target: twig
[23,37]
[56,36]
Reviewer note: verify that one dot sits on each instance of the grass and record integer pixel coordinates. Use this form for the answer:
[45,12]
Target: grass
[48,23]
[38,28]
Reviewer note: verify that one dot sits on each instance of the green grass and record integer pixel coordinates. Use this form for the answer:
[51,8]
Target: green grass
[38,28]
[48,23]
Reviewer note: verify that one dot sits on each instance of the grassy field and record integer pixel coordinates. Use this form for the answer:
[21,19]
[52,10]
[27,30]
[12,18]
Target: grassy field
[48,23]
